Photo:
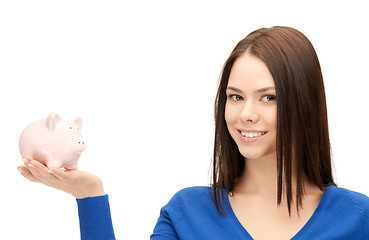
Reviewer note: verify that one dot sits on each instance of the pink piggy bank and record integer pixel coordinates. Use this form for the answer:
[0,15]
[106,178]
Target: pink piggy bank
[54,142]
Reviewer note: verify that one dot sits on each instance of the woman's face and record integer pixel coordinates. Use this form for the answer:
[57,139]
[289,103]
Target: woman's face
[251,107]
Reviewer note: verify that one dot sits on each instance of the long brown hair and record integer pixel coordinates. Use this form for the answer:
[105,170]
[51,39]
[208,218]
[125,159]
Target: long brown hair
[302,123]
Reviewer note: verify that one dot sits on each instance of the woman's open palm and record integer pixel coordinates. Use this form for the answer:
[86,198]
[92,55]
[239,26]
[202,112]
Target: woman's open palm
[78,183]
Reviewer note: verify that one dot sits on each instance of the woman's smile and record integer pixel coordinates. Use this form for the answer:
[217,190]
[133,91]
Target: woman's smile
[251,136]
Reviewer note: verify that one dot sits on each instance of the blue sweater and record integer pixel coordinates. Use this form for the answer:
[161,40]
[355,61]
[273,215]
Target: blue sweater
[191,214]
[95,219]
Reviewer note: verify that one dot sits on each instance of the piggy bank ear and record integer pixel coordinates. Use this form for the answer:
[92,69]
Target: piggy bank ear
[78,121]
[52,120]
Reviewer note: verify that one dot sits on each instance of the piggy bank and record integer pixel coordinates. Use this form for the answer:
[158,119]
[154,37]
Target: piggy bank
[53,141]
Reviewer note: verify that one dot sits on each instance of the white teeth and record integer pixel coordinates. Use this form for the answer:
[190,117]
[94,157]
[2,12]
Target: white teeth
[252,134]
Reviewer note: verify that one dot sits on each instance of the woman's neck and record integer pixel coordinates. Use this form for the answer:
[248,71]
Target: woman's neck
[260,178]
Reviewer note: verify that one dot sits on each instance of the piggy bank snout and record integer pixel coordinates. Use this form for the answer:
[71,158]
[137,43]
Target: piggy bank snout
[77,144]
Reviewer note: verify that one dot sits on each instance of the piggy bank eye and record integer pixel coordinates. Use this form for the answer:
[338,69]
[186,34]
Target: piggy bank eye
[70,127]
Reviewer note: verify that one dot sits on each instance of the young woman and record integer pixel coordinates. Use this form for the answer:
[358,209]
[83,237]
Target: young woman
[272,175]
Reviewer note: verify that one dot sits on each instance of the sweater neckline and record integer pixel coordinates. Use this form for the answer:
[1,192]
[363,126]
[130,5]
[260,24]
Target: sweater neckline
[319,211]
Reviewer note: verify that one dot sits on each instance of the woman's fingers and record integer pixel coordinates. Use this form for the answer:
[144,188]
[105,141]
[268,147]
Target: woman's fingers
[58,173]
[37,172]
[26,173]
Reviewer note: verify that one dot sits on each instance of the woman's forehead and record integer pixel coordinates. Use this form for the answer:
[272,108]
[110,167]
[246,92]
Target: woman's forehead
[250,73]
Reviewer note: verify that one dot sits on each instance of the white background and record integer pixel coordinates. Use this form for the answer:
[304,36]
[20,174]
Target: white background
[143,76]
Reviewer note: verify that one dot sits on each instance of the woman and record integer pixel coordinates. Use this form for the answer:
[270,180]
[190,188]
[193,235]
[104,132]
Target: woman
[272,175]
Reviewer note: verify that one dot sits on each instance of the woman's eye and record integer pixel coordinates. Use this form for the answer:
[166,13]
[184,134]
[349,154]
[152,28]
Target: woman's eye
[269,98]
[235,97]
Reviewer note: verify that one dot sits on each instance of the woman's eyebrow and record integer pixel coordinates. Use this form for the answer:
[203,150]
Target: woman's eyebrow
[258,90]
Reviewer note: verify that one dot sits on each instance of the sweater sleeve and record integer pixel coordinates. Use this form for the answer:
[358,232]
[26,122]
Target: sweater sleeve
[95,218]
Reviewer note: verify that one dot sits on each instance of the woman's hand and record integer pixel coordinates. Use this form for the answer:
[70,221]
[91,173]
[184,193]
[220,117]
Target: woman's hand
[79,184]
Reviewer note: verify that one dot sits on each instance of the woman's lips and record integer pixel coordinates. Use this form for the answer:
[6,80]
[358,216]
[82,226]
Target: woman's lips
[251,136]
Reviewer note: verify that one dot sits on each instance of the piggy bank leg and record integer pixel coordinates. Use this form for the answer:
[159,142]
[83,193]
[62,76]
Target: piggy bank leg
[53,164]
[42,156]
[45,158]
[71,166]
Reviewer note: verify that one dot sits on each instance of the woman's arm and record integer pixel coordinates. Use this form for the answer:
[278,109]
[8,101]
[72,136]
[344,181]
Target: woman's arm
[95,219]
[93,204]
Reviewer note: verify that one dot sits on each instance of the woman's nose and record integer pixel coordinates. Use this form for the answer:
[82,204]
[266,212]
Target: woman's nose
[249,112]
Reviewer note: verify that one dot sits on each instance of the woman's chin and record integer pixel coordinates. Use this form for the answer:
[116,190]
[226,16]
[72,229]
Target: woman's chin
[258,155]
